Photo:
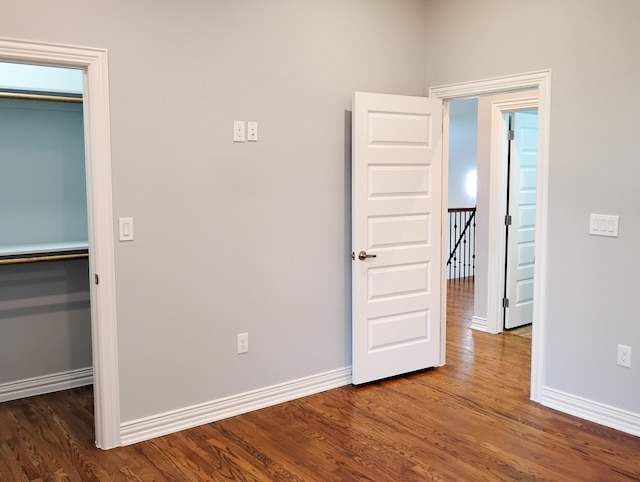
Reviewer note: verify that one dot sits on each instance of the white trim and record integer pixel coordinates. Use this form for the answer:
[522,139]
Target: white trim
[479,324]
[100,208]
[606,415]
[494,85]
[540,80]
[45,384]
[444,240]
[185,418]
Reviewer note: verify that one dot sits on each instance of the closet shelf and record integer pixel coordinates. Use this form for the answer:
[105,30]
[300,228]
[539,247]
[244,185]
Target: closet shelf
[43,252]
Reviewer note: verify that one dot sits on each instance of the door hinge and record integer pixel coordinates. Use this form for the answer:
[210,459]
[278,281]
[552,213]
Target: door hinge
[507,220]
[96,278]
[505,302]
[511,135]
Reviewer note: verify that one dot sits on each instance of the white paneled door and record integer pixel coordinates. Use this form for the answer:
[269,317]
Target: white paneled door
[396,235]
[522,208]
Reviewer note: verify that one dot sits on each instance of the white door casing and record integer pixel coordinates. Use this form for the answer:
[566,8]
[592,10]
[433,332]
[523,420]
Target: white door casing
[522,209]
[100,218]
[397,213]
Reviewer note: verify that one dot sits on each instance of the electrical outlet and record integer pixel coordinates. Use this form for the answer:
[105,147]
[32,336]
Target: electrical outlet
[238,131]
[624,356]
[243,342]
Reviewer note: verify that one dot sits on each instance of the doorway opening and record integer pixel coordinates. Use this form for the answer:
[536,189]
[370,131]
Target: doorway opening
[93,63]
[519,164]
[521,92]
[462,188]
[46,329]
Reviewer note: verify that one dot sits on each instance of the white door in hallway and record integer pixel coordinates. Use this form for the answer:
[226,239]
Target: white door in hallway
[396,235]
[522,208]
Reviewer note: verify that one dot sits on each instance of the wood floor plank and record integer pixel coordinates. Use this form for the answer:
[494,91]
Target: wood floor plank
[469,420]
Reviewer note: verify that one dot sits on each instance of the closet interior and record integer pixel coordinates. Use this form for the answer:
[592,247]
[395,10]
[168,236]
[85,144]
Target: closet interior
[45,318]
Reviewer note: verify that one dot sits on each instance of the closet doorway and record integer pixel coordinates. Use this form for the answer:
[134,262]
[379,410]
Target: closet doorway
[45,333]
[104,350]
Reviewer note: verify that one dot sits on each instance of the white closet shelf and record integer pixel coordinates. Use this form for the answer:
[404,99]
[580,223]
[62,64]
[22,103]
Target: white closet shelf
[44,248]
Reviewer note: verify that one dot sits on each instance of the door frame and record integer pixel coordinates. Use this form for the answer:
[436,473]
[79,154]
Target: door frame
[540,80]
[97,137]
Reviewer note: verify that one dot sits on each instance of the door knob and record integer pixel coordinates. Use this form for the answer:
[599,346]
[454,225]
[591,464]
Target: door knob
[362,255]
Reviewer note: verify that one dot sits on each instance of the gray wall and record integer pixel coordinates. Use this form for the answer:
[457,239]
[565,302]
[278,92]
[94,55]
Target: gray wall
[43,196]
[589,45]
[463,150]
[233,238]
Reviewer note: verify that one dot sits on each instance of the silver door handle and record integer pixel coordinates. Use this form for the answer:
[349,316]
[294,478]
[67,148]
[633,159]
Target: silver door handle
[362,255]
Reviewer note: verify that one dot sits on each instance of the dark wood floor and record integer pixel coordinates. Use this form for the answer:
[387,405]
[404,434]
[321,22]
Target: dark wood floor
[470,420]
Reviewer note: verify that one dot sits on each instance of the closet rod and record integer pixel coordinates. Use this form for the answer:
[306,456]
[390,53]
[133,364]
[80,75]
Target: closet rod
[54,98]
[38,259]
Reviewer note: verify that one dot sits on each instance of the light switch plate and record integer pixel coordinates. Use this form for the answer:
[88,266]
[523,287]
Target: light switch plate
[603,225]
[126,229]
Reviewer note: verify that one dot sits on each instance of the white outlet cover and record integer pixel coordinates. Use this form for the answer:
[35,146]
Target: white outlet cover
[243,343]
[624,356]
[238,131]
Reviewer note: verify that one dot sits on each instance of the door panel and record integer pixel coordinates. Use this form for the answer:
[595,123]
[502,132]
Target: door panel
[394,231]
[398,180]
[396,186]
[521,246]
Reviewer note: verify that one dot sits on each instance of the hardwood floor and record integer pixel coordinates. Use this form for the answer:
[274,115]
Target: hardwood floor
[469,420]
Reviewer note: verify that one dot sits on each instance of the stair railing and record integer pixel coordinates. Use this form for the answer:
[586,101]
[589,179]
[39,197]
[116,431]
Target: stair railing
[462,243]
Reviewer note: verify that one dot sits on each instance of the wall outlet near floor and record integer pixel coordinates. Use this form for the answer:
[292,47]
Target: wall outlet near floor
[624,356]
[243,342]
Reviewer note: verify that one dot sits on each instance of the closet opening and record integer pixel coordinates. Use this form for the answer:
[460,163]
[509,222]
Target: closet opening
[45,309]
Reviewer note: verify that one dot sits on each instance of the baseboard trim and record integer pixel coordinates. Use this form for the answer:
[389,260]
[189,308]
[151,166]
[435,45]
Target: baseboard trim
[54,382]
[478,323]
[177,420]
[600,413]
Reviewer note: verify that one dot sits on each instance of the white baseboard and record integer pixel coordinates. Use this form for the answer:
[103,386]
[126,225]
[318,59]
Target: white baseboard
[177,420]
[46,384]
[478,323]
[600,413]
